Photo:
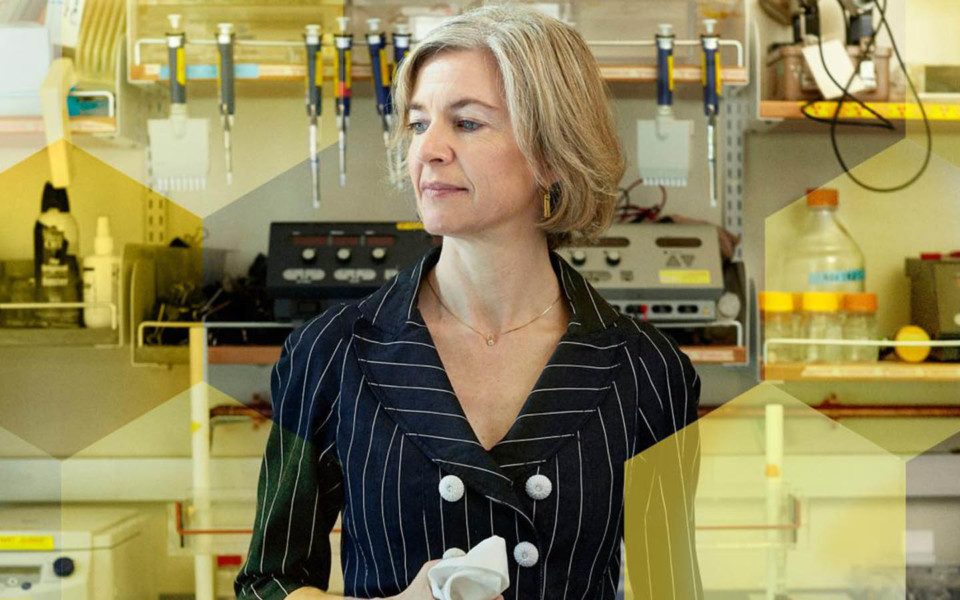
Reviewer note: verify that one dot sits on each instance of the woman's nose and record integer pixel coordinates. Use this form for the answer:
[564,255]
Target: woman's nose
[433,145]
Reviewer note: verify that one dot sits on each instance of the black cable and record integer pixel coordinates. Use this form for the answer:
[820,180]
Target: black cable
[885,123]
[926,122]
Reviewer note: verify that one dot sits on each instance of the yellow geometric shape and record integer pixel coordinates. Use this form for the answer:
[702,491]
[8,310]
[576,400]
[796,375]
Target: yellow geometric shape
[82,392]
[785,500]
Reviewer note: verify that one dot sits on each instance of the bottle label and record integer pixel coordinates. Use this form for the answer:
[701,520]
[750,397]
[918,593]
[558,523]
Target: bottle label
[835,277]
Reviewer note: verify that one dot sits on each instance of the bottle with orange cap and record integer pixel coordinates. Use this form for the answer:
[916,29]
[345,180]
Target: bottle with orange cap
[822,321]
[860,323]
[778,320]
[825,258]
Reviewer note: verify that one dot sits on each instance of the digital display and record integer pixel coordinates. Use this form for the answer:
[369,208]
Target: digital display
[611,242]
[679,242]
[384,241]
[346,240]
[19,571]
[309,240]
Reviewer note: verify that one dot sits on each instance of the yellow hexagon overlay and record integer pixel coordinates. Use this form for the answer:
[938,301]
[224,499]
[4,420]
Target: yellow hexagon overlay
[787,502]
[888,228]
[80,379]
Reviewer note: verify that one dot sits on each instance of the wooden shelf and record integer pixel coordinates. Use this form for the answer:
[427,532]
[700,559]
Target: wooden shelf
[716,355]
[79,336]
[736,76]
[898,111]
[268,355]
[90,125]
[878,371]
[162,355]
[243,355]
[147,73]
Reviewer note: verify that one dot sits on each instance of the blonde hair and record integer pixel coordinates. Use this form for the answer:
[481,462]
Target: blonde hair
[558,106]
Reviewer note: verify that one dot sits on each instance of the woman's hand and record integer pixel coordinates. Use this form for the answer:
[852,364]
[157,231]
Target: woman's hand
[419,588]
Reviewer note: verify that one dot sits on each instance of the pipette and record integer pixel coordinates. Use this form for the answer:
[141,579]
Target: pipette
[225,82]
[176,52]
[710,77]
[380,68]
[344,45]
[401,47]
[314,103]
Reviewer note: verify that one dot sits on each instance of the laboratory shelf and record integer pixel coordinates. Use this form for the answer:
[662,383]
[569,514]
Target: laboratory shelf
[79,124]
[11,336]
[898,111]
[716,355]
[888,371]
[630,73]
[268,355]
[161,355]
[243,355]
[647,73]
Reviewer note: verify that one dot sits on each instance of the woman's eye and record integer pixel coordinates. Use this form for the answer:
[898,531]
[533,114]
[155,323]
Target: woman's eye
[468,125]
[417,127]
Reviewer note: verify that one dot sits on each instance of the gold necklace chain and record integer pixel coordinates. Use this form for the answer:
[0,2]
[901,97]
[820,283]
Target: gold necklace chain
[490,337]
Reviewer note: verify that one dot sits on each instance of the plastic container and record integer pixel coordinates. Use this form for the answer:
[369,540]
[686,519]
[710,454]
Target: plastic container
[912,354]
[779,321]
[825,258]
[822,320]
[860,323]
[101,277]
[792,80]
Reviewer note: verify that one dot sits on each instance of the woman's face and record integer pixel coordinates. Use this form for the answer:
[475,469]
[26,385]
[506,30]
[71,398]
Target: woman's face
[468,172]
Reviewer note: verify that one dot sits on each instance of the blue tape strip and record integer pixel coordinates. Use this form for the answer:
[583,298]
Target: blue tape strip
[242,71]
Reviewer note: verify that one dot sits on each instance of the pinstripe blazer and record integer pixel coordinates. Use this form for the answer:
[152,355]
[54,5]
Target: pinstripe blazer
[366,422]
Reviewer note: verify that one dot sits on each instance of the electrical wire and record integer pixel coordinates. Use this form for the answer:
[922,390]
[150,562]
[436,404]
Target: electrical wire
[627,212]
[926,122]
[885,123]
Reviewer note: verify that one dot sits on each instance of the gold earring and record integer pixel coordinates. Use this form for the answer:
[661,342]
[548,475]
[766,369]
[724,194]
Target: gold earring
[546,204]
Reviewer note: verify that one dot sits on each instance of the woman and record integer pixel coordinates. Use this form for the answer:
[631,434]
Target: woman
[487,390]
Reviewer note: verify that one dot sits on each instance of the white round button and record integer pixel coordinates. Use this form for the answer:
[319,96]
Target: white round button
[526,554]
[454,553]
[451,488]
[539,487]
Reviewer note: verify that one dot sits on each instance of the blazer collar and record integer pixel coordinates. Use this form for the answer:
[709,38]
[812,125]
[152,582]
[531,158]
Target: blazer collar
[392,308]
[403,369]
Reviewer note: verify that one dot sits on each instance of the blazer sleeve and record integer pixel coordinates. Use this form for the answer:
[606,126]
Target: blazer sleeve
[300,492]
[661,481]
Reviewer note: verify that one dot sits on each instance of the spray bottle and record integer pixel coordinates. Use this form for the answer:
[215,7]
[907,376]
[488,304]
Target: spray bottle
[101,277]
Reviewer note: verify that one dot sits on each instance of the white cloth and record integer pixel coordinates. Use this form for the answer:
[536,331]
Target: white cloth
[481,574]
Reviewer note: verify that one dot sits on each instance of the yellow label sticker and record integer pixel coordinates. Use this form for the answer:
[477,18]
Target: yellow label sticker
[670,72]
[26,542]
[409,225]
[685,277]
[194,426]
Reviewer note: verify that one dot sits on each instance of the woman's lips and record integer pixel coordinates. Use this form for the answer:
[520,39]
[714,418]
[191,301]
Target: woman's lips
[441,192]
